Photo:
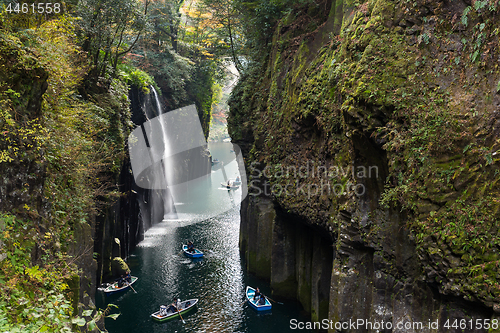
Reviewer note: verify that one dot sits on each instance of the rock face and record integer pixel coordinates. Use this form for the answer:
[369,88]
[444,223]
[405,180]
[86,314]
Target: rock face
[122,224]
[27,86]
[370,133]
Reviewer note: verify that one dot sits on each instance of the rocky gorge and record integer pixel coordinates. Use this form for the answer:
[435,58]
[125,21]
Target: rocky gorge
[409,89]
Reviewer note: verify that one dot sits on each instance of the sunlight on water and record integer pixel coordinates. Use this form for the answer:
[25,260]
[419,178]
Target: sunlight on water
[218,279]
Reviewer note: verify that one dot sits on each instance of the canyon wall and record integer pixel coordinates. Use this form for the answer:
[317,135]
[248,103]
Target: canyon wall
[370,132]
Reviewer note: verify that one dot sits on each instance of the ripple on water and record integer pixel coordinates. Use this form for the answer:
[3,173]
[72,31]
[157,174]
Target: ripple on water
[218,280]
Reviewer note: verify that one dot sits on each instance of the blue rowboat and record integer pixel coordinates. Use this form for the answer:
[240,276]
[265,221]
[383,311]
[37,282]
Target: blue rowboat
[196,254]
[113,287]
[256,304]
[165,313]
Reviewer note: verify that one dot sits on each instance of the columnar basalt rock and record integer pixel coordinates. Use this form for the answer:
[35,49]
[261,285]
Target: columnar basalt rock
[409,92]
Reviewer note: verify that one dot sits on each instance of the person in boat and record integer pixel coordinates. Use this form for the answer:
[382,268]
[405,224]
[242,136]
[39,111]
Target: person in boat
[163,310]
[128,278]
[190,247]
[257,294]
[174,307]
[262,300]
[121,281]
[238,179]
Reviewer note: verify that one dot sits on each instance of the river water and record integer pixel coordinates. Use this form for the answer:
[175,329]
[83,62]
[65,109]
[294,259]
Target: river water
[218,280]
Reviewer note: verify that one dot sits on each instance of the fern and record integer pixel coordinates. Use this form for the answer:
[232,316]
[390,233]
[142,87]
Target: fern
[474,56]
[464,15]
[480,4]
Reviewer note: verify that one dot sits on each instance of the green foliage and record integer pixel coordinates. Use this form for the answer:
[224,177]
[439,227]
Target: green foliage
[171,72]
[260,17]
[33,298]
[465,18]
[137,77]
[181,60]
[27,15]
[108,30]
[413,100]
[75,146]
[478,4]
[91,317]
[164,16]
[200,88]
[224,36]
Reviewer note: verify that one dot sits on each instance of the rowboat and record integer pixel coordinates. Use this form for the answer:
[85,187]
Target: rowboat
[113,287]
[166,313]
[231,186]
[250,293]
[196,254]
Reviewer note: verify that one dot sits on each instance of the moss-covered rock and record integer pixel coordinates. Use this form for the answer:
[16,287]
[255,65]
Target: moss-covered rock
[411,89]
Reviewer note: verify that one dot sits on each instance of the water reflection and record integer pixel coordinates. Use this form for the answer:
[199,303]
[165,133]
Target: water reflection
[218,280]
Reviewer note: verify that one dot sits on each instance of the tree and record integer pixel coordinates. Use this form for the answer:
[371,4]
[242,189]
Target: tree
[166,19]
[109,29]
[224,20]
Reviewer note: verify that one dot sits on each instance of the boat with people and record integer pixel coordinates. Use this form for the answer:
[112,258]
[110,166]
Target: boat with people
[170,312]
[215,161]
[229,186]
[195,253]
[117,286]
[232,184]
[259,303]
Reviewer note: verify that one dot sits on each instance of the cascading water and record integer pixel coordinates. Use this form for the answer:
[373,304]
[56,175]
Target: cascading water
[167,165]
[155,199]
[171,161]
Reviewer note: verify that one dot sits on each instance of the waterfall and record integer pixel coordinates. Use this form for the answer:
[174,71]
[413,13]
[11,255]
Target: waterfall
[171,164]
[154,168]
[167,166]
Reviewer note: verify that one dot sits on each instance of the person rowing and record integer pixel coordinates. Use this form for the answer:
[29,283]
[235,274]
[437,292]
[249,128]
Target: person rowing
[190,247]
[257,294]
[174,306]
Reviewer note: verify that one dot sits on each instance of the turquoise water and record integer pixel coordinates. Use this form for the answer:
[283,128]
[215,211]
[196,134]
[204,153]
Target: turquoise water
[218,280]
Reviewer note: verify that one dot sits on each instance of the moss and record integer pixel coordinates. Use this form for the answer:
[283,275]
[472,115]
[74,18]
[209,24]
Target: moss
[251,261]
[407,92]
[263,268]
[304,295]
[324,308]
[74,288]
[384,9]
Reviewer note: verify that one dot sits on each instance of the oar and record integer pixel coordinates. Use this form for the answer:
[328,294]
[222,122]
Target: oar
[180,315]
[128,284]
[269,298]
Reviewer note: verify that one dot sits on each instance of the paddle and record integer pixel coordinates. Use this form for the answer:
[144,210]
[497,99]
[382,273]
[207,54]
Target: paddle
[269,298]
[180,315]
[128,284]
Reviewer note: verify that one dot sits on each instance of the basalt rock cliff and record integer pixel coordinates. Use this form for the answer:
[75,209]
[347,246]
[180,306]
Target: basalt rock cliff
[370,131]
